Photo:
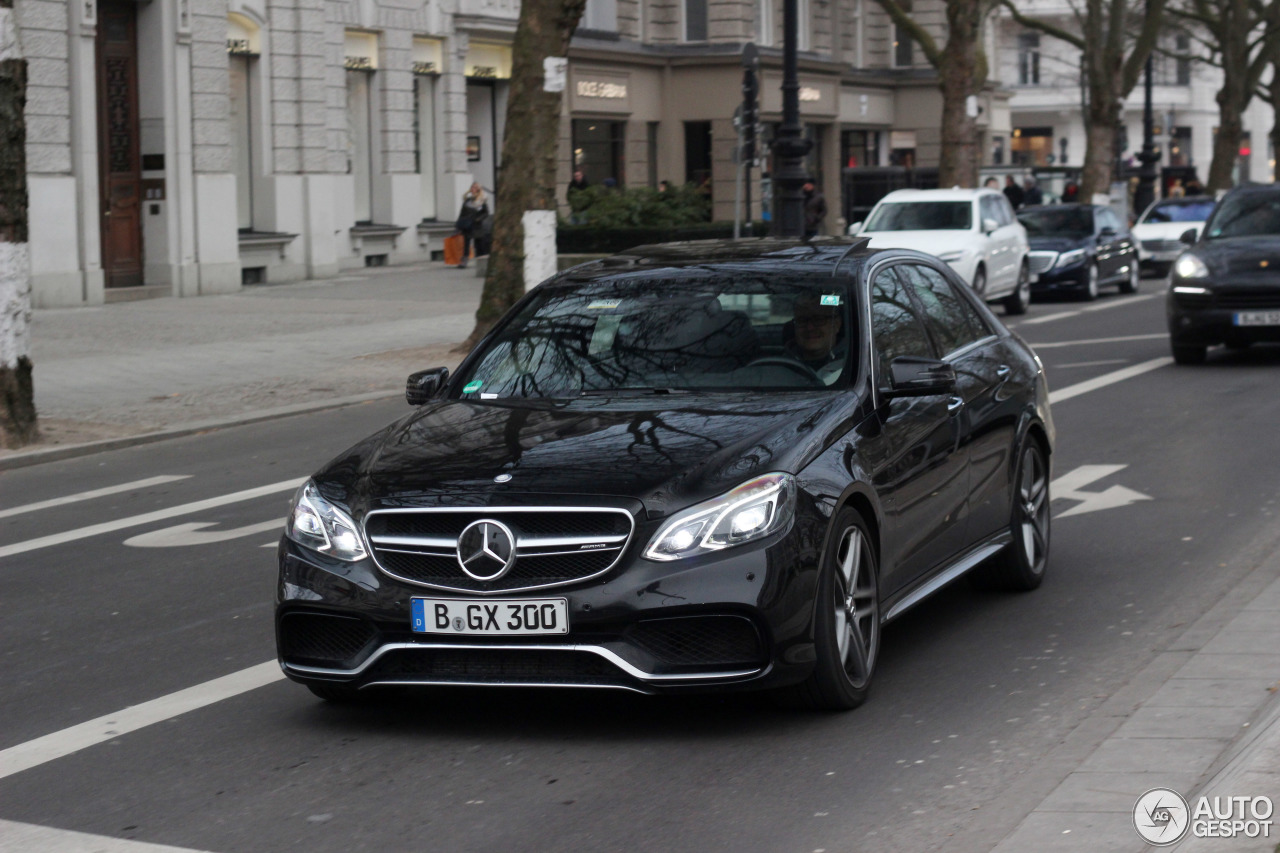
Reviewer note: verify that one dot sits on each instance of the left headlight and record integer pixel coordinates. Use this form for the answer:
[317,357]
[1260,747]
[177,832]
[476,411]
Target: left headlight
[1190,266]
[1066,259]
[754,510]
[319,525]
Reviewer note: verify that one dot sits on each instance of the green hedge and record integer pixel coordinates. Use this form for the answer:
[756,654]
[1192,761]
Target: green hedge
[638,207]
[587,239]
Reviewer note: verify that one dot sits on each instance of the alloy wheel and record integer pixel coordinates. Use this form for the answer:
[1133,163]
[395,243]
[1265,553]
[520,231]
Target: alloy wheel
[857,607]
[1033,505]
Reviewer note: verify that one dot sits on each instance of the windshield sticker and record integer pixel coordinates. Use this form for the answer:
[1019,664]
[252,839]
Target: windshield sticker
[830,300]
[604,305]
[488,396]
[472,387]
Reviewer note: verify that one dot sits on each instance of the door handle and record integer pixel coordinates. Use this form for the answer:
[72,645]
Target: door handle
[1003,371]
[954,405]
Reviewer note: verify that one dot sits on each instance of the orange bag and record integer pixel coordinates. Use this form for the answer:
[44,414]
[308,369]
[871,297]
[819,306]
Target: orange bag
[453,250]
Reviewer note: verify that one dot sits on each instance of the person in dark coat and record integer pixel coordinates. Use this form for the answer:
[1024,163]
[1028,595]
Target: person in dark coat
[1031,194]
[1012,191]
[815,209]
[473,222]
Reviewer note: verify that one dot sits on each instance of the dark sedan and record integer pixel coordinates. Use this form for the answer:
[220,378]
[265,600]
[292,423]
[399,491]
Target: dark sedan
[1078,248]
[1225,289]
[701,466]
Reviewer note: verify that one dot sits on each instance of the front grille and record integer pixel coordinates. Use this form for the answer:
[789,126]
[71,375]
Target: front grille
[554,546]
[495,666]
[1253,298]
[1041,261]
[322,639]
[702,641]
[1162,245]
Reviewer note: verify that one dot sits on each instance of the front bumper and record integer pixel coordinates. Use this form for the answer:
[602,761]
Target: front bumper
[740,619]
[1059,279]
[1214,318]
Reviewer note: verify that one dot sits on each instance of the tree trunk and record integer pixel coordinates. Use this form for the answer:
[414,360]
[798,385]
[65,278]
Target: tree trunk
[17,400]
[1226,143]
[1100,151]
[526,176]
[958,78]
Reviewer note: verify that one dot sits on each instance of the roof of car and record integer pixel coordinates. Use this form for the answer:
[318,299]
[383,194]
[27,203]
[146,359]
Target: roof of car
[1189,199]
[820,255]
[953,194]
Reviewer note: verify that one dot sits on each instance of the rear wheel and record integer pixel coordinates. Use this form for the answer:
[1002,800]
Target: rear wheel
[846,621]
[1017,302]
[980,281]
[1189,354]
[1021,565]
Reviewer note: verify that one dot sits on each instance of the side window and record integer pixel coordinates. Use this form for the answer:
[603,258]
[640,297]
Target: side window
[953,322]
[1110,220]
[895,327]
[987,209]
[1006,211]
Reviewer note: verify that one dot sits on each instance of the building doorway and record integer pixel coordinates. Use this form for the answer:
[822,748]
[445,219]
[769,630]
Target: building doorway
[120,167]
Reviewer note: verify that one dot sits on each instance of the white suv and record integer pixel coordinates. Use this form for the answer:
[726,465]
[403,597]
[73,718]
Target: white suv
[974,231]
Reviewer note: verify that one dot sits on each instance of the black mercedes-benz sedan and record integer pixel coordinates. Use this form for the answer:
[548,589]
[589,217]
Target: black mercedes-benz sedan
[698,466]
[1225,289]
[1079,248]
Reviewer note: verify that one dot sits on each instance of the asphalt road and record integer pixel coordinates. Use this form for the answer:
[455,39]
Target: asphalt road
[974,689]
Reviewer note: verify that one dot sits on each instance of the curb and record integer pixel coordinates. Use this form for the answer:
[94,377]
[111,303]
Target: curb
[23,459]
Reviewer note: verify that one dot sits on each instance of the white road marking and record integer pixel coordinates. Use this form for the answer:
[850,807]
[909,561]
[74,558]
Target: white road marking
[193,533]
[33,753]
[1070,487]
[147,518]
[1062,315]
[96,493]
[1106,379]
[1091,363]
[25,837]
[1056,344]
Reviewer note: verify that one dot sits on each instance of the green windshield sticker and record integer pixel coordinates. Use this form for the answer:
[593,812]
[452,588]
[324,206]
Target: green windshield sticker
[603,305]
[830,300]
[472,387]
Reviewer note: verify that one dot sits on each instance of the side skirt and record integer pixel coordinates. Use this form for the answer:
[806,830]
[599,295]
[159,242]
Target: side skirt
[973,558]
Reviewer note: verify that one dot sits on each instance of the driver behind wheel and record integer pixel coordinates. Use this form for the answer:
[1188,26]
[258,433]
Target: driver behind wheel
[817,343]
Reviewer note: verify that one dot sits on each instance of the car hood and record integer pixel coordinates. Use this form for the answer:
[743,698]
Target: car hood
[1254,256]
[666,457]
[933,242]
[1057,244]
[1164,230]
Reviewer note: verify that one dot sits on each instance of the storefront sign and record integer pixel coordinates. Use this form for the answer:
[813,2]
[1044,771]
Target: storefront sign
[360,51]
[488,61]
[427,55]
[242,36]
[600,89]
[810,94]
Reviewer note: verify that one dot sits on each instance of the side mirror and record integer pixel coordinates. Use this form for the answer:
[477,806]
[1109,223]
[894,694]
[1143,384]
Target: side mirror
[1188,237]
[913,376]
[853,229]
[989,225]
[424,385]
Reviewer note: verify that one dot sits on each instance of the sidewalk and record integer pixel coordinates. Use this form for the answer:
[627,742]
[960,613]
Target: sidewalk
[163,365]
[1203,718]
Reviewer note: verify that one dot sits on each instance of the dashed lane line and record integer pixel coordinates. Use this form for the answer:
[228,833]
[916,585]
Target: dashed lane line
[1106,379]
[26,837]
[147,518]
[96,493]
[1087,341]
[33,753]
[1062,315]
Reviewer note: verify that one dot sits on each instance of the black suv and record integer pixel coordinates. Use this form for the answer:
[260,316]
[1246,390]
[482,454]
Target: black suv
[1225,289]
[717,465]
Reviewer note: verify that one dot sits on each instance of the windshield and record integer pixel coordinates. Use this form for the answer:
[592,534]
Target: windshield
[668,334]
[922,216]
[1246,215]
[1058,222]
[1190,211]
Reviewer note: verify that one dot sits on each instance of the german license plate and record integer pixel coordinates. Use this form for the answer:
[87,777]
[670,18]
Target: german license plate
[1258,318]
[509,617]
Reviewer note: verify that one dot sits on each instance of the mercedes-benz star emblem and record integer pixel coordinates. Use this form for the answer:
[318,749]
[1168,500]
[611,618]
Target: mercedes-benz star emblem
[486,549]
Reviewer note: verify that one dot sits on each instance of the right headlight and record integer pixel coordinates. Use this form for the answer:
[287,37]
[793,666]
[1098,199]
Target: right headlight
[754,510]
[1075,256]
[1190,266]
[319,525]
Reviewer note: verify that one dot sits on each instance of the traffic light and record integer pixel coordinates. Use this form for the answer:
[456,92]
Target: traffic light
[750,112]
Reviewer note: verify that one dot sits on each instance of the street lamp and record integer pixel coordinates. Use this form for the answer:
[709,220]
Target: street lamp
[1145,193]
[789,147]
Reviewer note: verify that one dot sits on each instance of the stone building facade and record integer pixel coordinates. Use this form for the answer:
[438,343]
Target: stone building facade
[191,147]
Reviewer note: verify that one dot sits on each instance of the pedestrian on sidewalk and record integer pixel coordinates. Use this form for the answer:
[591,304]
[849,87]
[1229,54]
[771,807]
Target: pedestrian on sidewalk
[473,221]
[815,209]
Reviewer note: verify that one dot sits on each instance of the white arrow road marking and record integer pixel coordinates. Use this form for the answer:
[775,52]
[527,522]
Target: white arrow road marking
[193,533]
[25,837]
[1070,486]
[148,518]
[96,493]
[33,753]
[1106,379]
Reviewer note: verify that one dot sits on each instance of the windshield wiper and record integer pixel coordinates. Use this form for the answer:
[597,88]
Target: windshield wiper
[635,392]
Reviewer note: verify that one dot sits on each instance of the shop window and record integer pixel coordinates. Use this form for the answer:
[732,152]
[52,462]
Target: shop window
[859,148]
[651,153]
[360,141]
[697,152]
[600,15]
[1180,147]
[695,20]
[1029,59]
[903,48]
[1032,146]
[599,150]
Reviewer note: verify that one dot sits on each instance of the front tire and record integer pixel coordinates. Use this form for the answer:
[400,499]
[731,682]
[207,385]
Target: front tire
[980,281]
[1089,291]
[1021,565]
[1017,302]
[1133,280]
[846,621]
